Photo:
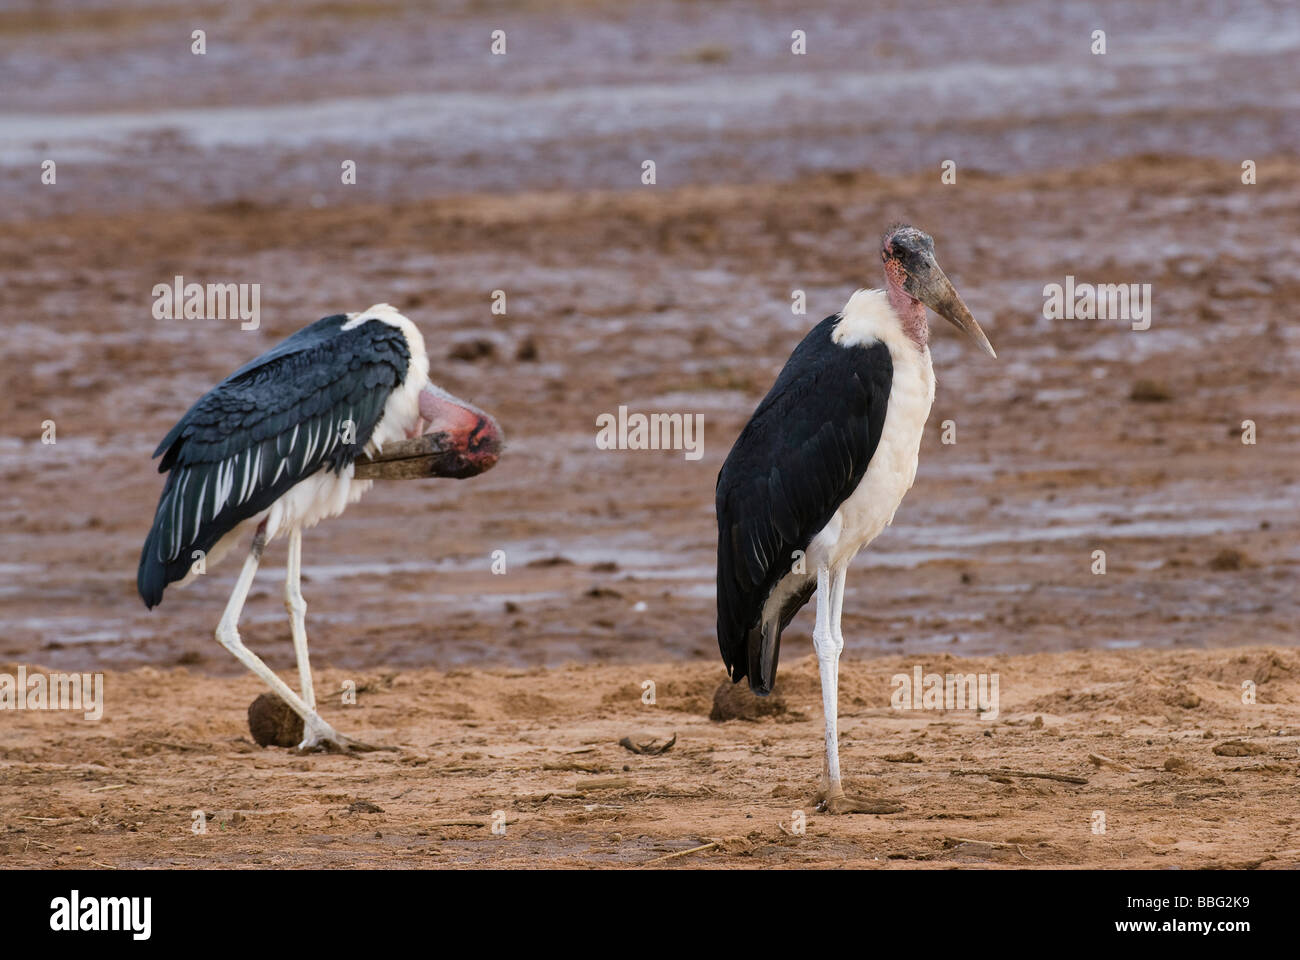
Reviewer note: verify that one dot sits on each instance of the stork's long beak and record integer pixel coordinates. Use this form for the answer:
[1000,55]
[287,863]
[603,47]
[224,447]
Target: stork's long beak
[936,291]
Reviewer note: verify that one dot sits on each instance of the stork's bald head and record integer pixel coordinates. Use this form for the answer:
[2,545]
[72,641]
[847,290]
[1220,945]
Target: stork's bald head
[910,267]
[473,438]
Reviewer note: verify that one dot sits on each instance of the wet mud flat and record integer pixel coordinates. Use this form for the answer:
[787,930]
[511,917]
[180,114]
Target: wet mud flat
[1083,436]
[507,689]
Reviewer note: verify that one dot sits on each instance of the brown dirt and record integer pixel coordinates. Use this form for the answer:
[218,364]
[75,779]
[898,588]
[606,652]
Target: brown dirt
[512,692]
[991,555]
[541,746]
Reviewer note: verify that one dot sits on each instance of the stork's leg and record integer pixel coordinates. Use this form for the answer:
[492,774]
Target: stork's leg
[828,664]
[316,731]
[828,641]
[837,606]
[297,607]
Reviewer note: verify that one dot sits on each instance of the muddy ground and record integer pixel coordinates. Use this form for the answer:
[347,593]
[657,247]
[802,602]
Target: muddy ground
[1083,436]
[1185,773]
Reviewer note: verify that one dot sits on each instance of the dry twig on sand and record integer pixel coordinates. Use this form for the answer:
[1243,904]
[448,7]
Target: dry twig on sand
[1062,777]
[682,853]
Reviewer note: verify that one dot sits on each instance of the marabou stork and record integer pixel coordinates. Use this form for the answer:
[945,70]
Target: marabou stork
[821,467]
[271,449]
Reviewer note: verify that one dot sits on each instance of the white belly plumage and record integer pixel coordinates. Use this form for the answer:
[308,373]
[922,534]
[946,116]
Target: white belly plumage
[871,507]
[868,318]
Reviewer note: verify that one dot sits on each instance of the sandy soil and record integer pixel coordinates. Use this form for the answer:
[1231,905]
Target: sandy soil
[776,175]
[1189,775]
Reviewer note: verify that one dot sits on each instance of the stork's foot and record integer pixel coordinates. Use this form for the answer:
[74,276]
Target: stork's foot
[837,801]
[322,738]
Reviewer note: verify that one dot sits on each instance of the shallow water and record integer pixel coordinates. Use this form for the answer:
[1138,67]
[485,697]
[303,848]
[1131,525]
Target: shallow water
[999,87]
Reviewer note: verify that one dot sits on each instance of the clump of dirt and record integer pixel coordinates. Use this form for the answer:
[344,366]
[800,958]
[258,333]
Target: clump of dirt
[1182,697]
[1238,748]
[471,351]
[1259,668]
[1150,391]
[908,756]
[1229,559]
[522,704]
[272,723]
[691,696]
[735,701]
[527,351]
[1145,695]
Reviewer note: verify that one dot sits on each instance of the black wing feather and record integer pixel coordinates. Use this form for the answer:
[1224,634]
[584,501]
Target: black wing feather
[272,423]
[801,455]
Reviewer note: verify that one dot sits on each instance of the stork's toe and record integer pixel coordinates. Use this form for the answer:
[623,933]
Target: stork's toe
[840,802]
[325,739]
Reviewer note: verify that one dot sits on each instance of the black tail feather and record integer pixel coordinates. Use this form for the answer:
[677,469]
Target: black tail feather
[151,578]
[763,642]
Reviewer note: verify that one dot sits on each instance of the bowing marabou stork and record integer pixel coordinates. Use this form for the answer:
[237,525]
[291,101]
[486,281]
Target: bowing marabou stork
[271,449]
[821,467]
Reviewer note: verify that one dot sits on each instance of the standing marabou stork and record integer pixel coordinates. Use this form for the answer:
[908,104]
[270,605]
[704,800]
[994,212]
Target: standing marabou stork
[271,449]
[821,467]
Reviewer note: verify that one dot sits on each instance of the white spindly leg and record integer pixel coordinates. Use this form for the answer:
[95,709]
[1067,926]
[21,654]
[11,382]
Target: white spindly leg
[297,607]
[316,731]
[837,607]
[828,663]
[828,660]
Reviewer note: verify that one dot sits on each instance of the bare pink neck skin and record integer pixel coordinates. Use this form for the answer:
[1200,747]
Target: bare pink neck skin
[911,312]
